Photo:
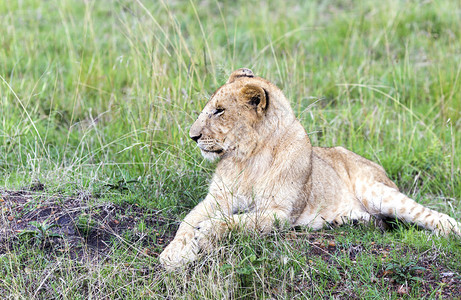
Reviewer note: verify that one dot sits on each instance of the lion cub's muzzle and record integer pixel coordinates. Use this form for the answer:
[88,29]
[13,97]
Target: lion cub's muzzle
[209,145]
[206,144]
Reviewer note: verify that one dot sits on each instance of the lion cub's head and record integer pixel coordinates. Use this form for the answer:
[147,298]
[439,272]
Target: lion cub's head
[239,116]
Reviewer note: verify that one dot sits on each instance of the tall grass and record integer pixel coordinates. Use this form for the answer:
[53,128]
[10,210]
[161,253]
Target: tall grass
[96,92]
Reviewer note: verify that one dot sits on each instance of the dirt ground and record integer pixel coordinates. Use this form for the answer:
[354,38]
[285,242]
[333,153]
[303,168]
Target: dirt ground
[72,224]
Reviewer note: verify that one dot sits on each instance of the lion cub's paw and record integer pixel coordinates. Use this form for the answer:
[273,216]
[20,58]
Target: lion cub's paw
[208,231]
[185,249]
[178,253]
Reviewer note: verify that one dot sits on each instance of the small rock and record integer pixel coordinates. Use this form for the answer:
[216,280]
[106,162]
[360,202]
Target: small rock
[402,290]
[285,260]
[420,272]
[388,272]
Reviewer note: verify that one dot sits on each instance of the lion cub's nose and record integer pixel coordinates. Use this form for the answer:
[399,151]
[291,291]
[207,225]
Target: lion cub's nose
[196,137]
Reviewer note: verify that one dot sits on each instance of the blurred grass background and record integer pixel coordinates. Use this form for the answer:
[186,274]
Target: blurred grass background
[101,94]
[91,90]
[94,93]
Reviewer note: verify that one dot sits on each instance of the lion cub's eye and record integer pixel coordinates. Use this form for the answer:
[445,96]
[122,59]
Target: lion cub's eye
[218,111]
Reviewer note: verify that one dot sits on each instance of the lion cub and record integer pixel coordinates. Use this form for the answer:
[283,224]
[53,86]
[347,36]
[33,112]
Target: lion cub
[269,171]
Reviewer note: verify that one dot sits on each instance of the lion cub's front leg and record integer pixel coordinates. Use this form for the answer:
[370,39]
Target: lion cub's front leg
[194,234]
[188,243]
[180,251]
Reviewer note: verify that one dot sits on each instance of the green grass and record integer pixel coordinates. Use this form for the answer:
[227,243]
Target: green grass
[97,97]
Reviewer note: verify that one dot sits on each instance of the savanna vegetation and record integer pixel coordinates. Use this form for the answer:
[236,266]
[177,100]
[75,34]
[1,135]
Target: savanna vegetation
[96,167]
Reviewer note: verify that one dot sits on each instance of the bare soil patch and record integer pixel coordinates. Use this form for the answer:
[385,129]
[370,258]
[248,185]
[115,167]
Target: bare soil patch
[77,224]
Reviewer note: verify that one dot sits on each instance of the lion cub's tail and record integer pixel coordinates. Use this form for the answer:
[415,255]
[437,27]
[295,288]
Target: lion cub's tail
[387,201]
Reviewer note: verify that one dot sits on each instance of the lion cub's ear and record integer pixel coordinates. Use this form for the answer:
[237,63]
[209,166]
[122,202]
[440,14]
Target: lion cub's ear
[254,96]
[243,72]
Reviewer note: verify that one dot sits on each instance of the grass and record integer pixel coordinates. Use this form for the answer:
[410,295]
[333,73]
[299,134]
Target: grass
[96,98]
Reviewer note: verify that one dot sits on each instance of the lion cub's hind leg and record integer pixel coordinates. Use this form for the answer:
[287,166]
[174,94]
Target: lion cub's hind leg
[381,199]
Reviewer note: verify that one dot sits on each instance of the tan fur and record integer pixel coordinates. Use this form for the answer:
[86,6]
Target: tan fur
[268,171]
